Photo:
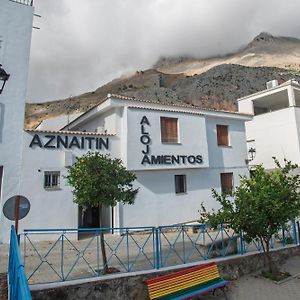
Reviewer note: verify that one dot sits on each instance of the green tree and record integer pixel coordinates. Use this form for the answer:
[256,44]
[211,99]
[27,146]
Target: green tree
[100,181]
[260,206]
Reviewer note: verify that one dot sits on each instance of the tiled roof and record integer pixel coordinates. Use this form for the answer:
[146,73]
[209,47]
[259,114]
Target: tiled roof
[69,132]
[189,106]
[168,110]
[168,104]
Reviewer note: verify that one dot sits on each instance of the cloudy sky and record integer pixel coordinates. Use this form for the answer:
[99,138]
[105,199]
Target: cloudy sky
[82,44]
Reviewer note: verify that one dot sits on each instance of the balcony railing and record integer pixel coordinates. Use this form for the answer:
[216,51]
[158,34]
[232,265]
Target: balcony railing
[24,2]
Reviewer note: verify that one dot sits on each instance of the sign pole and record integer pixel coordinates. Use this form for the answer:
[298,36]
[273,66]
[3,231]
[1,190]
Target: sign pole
[17,208]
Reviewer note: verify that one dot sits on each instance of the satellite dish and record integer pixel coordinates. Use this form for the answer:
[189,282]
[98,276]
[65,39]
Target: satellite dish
[9,208]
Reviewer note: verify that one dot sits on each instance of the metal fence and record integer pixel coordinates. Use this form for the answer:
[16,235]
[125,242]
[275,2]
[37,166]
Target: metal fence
[76,253]
[17,282]
[190,243]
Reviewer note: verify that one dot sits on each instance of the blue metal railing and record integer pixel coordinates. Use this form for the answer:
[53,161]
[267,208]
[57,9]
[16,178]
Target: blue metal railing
[17,282]
[183,244]
[63,257]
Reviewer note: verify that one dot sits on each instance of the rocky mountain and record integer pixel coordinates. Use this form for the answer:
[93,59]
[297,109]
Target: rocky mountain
[264,50]
[214,82]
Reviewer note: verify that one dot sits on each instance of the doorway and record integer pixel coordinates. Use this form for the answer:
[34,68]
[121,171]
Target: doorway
[89,217]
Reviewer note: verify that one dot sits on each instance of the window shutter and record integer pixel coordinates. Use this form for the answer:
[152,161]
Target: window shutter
[169,130]
[226,182]
[222,135]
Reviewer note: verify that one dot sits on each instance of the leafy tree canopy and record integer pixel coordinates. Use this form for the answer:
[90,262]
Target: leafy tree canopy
[99,180]
[261,205]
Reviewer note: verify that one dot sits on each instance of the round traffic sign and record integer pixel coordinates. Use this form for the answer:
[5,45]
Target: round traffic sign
[9,208]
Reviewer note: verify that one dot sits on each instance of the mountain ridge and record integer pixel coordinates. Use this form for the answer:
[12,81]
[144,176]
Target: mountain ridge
[211,82]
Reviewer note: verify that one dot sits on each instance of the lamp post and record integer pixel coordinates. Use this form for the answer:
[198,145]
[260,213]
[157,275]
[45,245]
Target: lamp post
[3,77]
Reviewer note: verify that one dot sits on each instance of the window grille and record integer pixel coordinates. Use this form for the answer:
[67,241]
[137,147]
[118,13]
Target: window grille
[51,179]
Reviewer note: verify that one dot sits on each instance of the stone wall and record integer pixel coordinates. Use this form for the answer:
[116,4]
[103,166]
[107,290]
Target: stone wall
[132,287]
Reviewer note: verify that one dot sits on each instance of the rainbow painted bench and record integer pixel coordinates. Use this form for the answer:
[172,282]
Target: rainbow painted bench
[187,283]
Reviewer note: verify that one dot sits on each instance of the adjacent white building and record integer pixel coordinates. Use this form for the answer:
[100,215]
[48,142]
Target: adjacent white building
[275,128]
[15,36]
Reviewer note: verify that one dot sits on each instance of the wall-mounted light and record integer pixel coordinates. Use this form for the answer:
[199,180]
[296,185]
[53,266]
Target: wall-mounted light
[252,153]
[3,77]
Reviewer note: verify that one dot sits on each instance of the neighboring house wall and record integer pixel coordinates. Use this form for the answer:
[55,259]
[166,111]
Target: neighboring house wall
[275,134]
[15,32]
[274,130]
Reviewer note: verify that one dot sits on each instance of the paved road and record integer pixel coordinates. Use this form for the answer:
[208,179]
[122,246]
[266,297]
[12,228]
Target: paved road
[255,287]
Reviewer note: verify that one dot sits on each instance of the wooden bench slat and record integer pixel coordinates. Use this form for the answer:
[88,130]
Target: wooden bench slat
[195,273]
[195,289]
[185,284]
[188,270]
[201,291]
[182,283]
[173,289]
[176,280]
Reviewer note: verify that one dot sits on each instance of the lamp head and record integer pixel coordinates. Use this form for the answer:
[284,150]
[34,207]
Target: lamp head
[3,77]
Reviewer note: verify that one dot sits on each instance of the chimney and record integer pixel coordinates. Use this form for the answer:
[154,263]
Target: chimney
[271,84]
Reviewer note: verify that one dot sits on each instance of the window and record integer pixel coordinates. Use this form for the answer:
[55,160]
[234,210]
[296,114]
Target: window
[51,179]
[222,135]
[226,182]
[169,130]
[180,184]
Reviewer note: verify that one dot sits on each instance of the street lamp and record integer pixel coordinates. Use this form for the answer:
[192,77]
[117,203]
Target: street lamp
[3,77]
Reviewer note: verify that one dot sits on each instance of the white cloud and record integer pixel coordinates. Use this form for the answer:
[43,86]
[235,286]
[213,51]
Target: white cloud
[83,44]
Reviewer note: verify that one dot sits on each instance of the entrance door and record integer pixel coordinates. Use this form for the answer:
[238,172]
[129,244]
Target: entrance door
[88,217]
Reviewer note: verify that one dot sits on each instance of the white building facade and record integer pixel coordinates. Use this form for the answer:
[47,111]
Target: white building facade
[176,169]
[274,130]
